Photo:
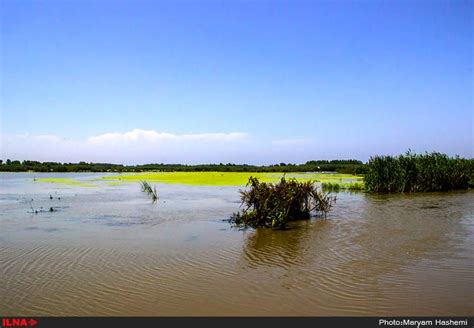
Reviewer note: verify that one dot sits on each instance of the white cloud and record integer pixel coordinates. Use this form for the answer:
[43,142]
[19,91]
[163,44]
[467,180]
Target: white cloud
[151,136]
[148,146]
[132,147]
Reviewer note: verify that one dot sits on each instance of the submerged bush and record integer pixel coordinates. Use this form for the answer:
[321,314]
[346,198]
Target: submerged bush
[275,204]
[418,172]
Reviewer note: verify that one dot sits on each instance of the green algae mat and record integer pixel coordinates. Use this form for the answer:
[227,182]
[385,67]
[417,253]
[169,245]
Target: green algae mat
[200,178]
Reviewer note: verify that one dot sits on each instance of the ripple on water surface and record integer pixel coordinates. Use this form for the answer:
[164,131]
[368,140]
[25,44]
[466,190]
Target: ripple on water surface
[111,252]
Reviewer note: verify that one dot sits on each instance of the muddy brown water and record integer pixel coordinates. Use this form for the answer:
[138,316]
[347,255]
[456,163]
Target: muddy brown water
[108,251]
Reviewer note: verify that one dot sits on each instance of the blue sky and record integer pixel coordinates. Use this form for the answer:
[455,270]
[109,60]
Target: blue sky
[235,81]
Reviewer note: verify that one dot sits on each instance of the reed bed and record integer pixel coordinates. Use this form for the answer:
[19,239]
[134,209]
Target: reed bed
[418,172]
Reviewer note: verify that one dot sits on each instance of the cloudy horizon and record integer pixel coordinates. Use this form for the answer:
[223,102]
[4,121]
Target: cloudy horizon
[140,146]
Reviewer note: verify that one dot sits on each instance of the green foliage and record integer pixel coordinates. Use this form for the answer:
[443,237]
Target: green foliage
[336,187]
[275,204]
[418,172]
[146,187]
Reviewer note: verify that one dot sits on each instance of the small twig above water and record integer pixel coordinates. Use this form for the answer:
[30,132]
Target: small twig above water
[146,187]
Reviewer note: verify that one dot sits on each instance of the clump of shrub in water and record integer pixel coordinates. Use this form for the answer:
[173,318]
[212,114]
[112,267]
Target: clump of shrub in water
[418,172]
[274,205]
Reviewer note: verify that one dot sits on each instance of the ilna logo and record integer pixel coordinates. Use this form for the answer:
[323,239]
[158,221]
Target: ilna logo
[18,322]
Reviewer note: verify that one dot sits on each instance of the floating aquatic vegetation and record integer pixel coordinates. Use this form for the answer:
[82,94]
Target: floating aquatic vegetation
[226,178]
[66,182]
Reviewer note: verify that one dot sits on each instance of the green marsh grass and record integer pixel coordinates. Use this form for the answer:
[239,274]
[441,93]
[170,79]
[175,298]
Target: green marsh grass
[418,172]
[348,186]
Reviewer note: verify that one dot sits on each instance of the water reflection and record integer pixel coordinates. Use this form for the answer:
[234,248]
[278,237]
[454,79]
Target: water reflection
[282,247]
[406,228]
[375,254]
[388,229]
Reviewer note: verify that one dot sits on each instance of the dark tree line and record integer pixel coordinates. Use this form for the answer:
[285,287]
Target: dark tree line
[341,166]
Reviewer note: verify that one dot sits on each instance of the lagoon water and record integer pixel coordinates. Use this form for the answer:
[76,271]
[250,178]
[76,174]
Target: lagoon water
[107,250]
